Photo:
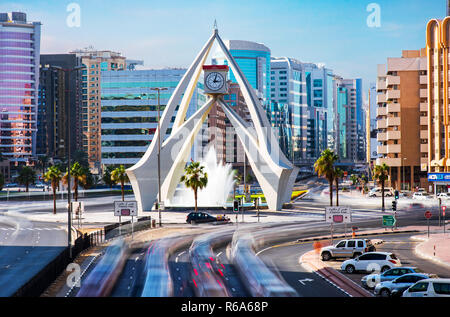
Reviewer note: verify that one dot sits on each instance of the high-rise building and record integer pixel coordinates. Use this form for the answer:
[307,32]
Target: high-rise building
[254,61]
[372,123]
[95,62]
[402,119]
[58,90]
[19,81]
[349,124]
[305,89]
[129,111]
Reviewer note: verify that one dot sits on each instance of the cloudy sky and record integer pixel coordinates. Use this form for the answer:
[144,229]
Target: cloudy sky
[169,33]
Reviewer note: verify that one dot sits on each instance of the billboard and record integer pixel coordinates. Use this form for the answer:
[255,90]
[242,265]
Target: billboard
[338,214]
[125,208]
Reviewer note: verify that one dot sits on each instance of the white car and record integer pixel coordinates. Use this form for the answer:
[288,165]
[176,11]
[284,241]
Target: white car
[371,262]
[420,196]
[443,196]
[433,287]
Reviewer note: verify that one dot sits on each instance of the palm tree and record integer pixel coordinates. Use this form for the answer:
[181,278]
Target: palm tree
[120,175]
[338,174]
[53,175]
[195,178]
[79,175]
[354,178]
[107,177]
[324,168]
[363,181]
[26,177]
[381,174]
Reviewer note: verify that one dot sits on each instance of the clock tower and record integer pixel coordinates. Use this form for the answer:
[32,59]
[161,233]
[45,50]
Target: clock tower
[215,79]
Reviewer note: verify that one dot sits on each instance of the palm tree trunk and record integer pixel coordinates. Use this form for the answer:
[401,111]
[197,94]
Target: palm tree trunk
[26,186]
[331,192]
[54,200]
[337,192]
[382,195]
[195,198]
[121,187]
[75,185]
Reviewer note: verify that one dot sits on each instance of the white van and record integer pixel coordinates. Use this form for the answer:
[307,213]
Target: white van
[376,192]
[432,287]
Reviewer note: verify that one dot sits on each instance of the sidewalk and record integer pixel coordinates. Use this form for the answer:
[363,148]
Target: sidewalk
[436,248]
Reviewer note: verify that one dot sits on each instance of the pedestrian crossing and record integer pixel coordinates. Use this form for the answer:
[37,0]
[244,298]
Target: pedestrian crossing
[30,229]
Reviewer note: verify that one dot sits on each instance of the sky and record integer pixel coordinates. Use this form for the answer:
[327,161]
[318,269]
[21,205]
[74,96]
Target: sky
[170,33]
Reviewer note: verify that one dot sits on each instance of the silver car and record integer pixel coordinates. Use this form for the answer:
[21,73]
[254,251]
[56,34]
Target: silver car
[397,286]
[371,280]
[350,248]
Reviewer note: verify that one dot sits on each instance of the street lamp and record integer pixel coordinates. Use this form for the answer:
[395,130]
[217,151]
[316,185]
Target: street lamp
[69,207]
[159,152]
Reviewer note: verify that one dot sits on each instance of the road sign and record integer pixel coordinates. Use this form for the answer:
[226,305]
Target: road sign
[428,214]
[389,221]
[125,208]
[338,214]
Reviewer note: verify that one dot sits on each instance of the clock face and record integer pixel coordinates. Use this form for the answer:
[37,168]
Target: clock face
[214,81]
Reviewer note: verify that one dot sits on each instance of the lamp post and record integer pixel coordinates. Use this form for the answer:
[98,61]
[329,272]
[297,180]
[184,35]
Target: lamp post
[69,207]
[158,89]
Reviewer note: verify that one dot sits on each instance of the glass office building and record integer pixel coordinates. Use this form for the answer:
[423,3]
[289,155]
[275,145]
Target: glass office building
[19,81]
[254,61]
[129,111]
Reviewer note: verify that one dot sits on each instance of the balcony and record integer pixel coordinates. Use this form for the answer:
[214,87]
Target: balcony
[424,134]
[423,106]
[381,124]
[423,93]
[394,135]
[381,98]
[389,161]
[393,121]
[424,148]
[393,94]
[382,149]
[381,85]
[381,136]
[392,80]
[394,148]
[423,120]
[393,107]
[423,80]
[381,111]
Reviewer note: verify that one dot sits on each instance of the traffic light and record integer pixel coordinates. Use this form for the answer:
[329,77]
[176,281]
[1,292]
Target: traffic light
[397,195]
[394,205]
[236,205]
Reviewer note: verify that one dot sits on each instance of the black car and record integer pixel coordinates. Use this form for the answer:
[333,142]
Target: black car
[200,217]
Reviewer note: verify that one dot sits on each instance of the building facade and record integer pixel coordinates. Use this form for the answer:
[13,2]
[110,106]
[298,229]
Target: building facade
[129,111]
[402,120]
[349,120]
[58,90]
[304,88]
[19,81]
[95,62]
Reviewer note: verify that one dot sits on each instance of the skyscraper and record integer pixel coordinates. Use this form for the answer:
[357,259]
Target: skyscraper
[19,81]
[95,62]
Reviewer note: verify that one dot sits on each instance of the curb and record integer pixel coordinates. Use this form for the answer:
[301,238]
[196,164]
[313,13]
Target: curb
[357,236]
[427,256]
[336,278]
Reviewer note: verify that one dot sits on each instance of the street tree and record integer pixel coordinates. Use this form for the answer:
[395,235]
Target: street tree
[53,175]
[27,177]
[195,178]
[79,175]
[381,174]
[324,167]
[119,175]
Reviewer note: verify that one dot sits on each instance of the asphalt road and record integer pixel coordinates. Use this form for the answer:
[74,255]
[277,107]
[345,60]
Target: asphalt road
[25,249]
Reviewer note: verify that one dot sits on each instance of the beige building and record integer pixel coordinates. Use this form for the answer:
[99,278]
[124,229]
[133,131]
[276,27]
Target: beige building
[402,119]
[95,62]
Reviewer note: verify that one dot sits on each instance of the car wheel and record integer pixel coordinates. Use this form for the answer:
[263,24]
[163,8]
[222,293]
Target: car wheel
[385,268]
[385,293]
[356,254]
[326,256]
[193,222]
[350,269]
